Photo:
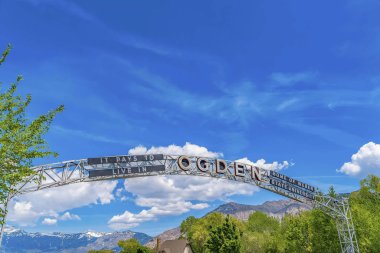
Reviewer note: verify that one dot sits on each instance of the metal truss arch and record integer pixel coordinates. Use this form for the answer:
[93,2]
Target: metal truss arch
[121,167]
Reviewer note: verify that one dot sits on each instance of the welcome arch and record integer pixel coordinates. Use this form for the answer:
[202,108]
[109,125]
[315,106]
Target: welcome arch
[129,166]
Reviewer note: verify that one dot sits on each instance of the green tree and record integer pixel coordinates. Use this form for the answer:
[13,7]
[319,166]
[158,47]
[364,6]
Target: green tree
[332,193]
[21,141]
[224,238]
[365,208]
[187,224]
[371,184]
[297,234]
[197,230]
[310,231]
[133,246]
[260,222]
[262,234]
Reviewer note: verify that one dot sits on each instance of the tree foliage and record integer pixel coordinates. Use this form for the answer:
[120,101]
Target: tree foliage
[262,234]
[332,193]
[260,222]
[309,231]
[133,246]
[197,230]
[365,207]
[21,140]
[224,238]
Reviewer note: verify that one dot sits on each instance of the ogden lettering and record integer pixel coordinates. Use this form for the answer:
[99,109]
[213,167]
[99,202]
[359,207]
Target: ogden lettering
[239,169]
[184,163]
[221,166]
[203,165]
[255,173]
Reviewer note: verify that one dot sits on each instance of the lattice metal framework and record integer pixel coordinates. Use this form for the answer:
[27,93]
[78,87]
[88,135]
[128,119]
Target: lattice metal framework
[76,171]
[339,210]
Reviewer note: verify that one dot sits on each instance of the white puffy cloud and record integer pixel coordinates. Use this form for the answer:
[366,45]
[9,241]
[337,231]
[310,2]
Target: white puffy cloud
[21,212]
[164,189]
[262,164]
[365,161]
[49,221]
[187,149]
[69,216]
[27,209]
[175,195]
[64,217]
[128,220]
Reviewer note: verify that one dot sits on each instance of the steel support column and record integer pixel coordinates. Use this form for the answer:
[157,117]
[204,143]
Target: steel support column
[339,209]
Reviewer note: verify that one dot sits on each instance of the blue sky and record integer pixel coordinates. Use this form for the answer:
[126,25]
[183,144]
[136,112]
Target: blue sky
[288,81]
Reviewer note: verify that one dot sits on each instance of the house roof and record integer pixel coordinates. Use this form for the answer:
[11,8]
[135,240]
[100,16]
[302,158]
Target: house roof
[175,246]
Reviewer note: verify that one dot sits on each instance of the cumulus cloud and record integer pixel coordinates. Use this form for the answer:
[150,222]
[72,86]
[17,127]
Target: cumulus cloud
[69,216]
[175,195]
[268,166]
[365,161]
[29,208]
[187,149]
[119,193]
[128,220]
[64,217]
[21,213]
[49,222]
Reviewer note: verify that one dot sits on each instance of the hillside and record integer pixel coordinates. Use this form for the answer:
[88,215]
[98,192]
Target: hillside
[273,208]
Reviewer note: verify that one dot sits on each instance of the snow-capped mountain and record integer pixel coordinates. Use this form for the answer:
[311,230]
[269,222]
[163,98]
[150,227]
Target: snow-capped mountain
[19,241]
[9,230]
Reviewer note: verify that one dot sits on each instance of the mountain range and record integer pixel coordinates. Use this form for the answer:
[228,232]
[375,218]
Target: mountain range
[19,241]
[272,208]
